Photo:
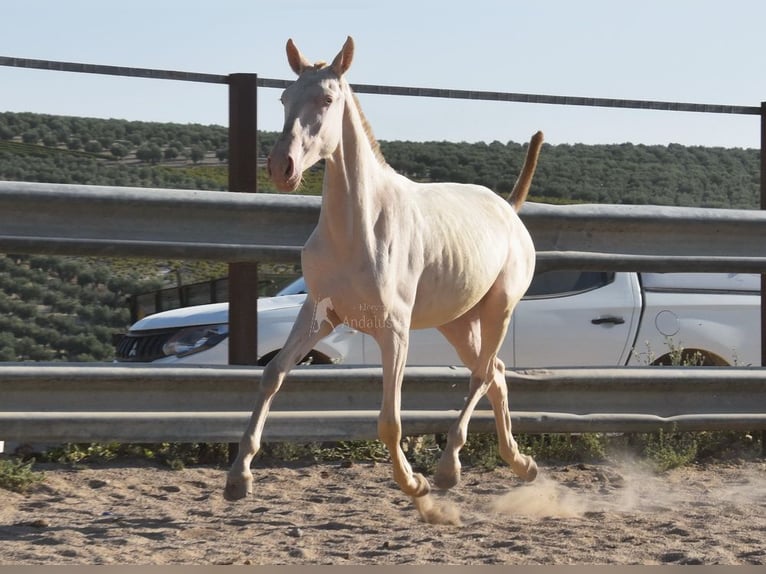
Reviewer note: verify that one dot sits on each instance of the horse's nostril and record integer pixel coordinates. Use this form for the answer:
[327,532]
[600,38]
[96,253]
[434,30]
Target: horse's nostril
[289,168]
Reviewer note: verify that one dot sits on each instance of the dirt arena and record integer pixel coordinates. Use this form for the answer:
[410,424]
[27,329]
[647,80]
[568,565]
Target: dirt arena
[135,513]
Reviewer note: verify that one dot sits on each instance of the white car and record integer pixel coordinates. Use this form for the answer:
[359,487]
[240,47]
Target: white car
[567,318]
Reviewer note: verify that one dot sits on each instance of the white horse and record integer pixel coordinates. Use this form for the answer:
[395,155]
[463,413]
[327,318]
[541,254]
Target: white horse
[390,255]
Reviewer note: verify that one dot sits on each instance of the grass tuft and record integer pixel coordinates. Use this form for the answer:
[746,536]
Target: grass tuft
[17,475]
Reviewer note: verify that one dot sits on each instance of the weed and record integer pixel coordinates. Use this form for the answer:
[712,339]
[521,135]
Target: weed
[481,451]
[729,445]
[659,451]
[172,454]
[423,453]
[17,475]
[353,450]
[587,447]
[679,356]
[288,451]
[670,450]
[76,453]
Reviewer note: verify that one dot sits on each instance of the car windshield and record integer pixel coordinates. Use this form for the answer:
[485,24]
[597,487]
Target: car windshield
[297,287]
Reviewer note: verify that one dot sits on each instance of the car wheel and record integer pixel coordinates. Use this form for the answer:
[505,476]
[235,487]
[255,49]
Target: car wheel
[312,358]
[691,358]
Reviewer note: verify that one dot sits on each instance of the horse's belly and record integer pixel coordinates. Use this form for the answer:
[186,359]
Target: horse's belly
[449,286]
[441,300]
[426,316]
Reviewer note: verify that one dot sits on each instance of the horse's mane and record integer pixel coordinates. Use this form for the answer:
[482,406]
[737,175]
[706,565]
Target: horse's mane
[368,130]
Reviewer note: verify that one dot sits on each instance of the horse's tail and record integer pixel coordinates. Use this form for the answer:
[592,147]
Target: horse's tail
[521,188]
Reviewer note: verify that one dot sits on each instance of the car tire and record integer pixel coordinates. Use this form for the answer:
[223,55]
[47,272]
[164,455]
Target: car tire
[312,358]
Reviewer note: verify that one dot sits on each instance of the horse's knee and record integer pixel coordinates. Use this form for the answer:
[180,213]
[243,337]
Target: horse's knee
[271,379]
[498,387]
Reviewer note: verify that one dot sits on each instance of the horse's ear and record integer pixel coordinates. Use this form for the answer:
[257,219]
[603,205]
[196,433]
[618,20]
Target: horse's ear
[342,61]
[297,61]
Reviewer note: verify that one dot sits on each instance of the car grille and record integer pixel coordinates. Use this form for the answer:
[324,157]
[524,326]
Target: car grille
[143,347]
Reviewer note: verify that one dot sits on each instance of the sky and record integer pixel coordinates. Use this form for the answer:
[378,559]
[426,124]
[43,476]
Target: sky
[698,51]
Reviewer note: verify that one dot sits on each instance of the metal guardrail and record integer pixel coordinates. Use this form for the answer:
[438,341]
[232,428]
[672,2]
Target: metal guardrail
[102,403]
[98,403]
[138,222]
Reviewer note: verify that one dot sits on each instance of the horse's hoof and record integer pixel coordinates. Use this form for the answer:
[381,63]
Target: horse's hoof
[446,480]
[447,473]
[238,487]
[530,471]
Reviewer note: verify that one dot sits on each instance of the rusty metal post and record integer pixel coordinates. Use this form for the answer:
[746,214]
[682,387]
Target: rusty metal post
[763,274]
[763,206]
[243,177]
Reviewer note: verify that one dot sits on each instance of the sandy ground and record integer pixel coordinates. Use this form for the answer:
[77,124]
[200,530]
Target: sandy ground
[132,513]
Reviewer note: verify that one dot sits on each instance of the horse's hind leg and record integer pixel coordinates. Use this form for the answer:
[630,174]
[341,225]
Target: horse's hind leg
[495,312]
[464,335]
[523,465]
[477,337]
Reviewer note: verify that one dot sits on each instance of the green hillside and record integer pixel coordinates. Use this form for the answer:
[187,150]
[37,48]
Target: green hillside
[36,147]
[619,174]
[56,308]
[67,308]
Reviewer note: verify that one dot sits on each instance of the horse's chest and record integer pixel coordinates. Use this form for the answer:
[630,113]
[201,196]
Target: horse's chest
[353,297]
[344,290]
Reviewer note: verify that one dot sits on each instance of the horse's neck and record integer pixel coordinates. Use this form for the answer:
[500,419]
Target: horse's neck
[353,178]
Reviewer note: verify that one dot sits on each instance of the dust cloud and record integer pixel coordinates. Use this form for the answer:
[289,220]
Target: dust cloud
[543,498]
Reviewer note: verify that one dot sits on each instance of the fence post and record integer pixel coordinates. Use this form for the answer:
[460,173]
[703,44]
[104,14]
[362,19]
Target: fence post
[763,274]
[763,206]
[243,177]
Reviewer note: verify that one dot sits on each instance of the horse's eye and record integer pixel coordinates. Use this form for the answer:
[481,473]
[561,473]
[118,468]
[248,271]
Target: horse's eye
[327,100]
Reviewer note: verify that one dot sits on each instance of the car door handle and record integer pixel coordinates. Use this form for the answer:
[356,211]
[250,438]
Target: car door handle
[608,320]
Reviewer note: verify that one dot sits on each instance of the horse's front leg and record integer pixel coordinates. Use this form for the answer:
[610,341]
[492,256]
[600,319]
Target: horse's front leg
[393,346]
[302,337]
[393,349]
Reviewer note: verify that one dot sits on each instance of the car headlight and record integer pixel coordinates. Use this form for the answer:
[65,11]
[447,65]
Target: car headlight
[195,339]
